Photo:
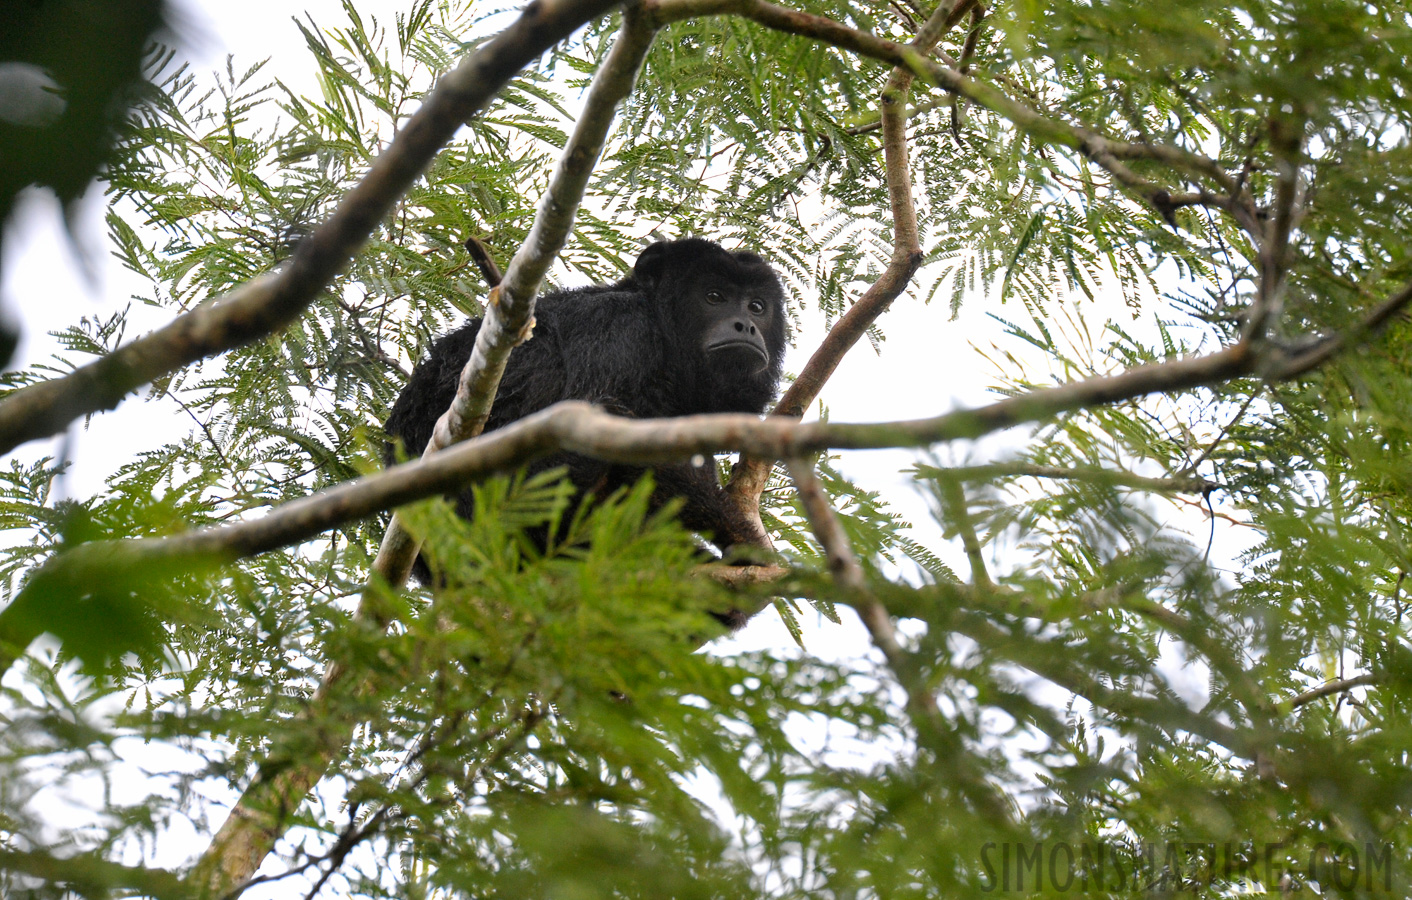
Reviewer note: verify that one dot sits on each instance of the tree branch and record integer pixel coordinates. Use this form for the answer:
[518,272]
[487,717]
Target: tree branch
[480,254]
[1107,153]
[1332,687]
[509,316]
[933,730]
[1169,714]
[271,301]
[581,428]
[954,498]
[750,475]
[260,817]
[1293,363]
[1174,485]
[509,313]
[1286,140]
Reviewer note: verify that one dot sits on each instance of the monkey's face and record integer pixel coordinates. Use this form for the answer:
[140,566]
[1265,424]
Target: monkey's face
[732,322]
[722,315]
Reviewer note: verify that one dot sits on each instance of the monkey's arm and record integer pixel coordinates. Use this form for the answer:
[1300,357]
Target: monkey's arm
[706,507]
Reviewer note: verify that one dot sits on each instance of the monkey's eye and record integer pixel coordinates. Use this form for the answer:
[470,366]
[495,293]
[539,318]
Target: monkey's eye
[714,297]
[757,307]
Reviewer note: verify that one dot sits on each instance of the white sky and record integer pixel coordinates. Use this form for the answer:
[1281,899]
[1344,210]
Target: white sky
[929,364]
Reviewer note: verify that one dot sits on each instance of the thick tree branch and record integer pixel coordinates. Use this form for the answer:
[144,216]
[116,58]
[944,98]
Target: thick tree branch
[1286,141]
[750,475]
[581,428]
[89,875]
[265,304]
[261,815]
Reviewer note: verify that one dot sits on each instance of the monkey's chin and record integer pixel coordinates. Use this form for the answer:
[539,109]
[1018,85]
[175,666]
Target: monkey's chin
[739,356]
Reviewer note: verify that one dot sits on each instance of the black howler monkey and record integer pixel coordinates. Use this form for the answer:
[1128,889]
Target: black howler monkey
[695,328]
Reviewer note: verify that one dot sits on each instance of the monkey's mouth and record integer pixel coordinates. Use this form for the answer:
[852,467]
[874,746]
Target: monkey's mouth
[744,353]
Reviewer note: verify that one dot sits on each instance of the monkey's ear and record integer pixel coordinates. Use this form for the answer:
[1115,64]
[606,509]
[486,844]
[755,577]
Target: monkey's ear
[652,263]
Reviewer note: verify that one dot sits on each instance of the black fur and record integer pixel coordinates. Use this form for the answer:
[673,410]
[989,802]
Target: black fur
[637,348]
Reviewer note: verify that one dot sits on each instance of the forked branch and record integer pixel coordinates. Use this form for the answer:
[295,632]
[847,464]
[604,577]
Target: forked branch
[262,814]
[581,428]
[509,313]
[751,474]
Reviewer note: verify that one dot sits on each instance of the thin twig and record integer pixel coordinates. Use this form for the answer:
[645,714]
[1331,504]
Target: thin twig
[1174,485]
[1216,442]
[1290,364]
[1332,687]
[1107,153]
[954,497]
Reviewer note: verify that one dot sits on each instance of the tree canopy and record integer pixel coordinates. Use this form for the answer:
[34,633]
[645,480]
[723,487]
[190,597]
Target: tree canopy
[1190,220]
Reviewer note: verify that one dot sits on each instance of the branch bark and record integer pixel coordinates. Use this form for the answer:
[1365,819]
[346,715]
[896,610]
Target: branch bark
[509,316]
[509,313]
[582,428]
[750,475]
[1332,687]
[933,730]
[90,875]
[261,815]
